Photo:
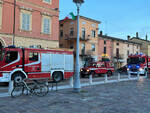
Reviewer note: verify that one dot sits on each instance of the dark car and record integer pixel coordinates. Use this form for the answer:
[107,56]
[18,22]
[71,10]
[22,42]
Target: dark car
[122,69]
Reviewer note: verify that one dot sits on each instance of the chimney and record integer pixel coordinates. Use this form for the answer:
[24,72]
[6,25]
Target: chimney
[128,37]
[146,37]
[137,35]
[101,33]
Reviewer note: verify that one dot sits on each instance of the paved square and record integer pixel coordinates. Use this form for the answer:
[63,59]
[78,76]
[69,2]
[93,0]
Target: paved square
[122,97]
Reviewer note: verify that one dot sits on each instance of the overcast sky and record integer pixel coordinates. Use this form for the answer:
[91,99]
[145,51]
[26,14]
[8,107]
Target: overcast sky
[119,17]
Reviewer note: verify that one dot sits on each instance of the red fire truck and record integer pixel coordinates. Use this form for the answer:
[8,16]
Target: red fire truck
[138,63]
[33,63]
[101,67]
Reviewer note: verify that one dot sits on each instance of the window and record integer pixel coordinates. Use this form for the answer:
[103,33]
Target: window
[104,42]
[61,25]
[83,33]
[93,25]
[117,52]
[61,45]
[71,47]
[128,52]
[0,15]
[33,56]
[61,33]
[11,56]
[71,23]
[46,25]
[93,47]
[128,45]
[71,31]
[117,44]
[47,1]
[104,50]
[93,33]
[83,48]
[83,22]
[26,21]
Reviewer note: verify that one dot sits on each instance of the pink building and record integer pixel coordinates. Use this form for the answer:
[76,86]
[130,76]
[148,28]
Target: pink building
[36,23]
[117,49]
[105,47]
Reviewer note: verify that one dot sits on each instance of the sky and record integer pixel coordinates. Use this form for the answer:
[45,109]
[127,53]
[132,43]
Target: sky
[119,17]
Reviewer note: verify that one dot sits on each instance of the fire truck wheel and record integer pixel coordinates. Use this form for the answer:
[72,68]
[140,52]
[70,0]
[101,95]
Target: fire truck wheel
[57,76]
[18,77]
[109,73]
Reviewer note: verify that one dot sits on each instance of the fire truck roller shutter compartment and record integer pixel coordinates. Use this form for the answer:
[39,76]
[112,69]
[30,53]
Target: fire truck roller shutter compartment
[56,62]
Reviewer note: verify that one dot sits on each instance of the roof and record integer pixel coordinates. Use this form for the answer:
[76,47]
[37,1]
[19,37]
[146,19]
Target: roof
[118,39]
[139,39]
[90,19]
[83,17]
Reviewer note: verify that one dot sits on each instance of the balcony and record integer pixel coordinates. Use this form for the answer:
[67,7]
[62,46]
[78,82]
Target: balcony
[85,38]
[82,52]
[68,37]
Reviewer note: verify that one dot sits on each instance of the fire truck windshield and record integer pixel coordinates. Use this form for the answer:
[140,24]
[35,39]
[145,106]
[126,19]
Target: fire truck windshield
[2,53]
[135,60]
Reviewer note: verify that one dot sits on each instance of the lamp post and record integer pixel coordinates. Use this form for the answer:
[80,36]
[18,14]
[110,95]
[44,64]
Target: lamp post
[14,27]
[76,84]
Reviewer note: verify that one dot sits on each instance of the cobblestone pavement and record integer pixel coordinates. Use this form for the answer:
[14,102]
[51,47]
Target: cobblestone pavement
[122,97]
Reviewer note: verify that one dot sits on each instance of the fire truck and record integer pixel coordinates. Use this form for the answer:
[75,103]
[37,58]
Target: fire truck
[34,63]
[138,63]
[100,67]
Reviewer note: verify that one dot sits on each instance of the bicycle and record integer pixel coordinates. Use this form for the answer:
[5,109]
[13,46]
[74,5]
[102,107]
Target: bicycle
[36,88]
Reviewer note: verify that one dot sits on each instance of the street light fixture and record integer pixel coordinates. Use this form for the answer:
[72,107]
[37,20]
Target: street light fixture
[76,85]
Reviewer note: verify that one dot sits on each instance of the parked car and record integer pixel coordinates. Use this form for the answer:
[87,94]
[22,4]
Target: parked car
[123,69]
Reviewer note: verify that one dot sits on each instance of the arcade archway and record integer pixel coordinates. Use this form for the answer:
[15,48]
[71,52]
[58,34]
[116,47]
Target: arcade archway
[1,45]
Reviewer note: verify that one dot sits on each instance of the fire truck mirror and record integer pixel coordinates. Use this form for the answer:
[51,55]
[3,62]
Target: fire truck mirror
[142,60]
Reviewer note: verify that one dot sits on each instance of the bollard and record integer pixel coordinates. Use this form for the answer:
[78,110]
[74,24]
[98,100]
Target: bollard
[71,81]
[129,75]
[106,79]
[118,76]
[146,74]
[138,75]
[11,86]
[90,79]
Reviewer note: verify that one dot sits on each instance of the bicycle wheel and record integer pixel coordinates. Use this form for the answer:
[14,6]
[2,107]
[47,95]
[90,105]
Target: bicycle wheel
[41,90]
[25,91]
[17,91]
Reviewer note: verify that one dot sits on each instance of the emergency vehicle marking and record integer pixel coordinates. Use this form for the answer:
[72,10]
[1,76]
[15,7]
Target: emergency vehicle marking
[44,65]
[18,59]
[33,63]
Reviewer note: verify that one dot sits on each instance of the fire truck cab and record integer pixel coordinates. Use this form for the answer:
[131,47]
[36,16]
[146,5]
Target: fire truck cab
[138,63]
[33,63]
[101,67]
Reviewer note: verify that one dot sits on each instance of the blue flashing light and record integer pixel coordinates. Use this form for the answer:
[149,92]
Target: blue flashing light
[137,66]
[129,66]
[141,54]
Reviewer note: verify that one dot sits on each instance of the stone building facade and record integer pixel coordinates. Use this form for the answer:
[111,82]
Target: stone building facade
[36,23]
[88,29]
[117,49]
[145,43]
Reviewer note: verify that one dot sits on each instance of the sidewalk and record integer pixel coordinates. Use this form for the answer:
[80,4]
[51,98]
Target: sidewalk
[122,97]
